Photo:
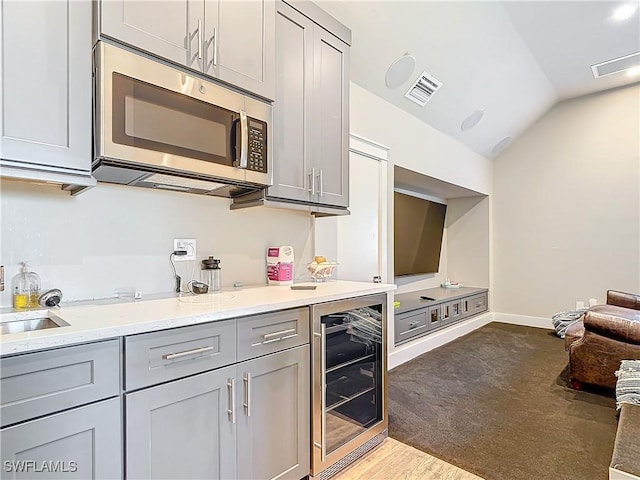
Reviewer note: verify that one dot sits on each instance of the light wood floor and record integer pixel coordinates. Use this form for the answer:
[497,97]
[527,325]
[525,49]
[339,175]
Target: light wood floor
[392,460]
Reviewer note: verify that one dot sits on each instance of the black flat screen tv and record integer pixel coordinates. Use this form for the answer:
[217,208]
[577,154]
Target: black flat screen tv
[418,229]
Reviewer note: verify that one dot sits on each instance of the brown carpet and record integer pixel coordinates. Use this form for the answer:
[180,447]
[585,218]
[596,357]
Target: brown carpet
[495,403]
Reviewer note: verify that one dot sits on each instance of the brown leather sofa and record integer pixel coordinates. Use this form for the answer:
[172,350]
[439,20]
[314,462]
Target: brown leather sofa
[606,335]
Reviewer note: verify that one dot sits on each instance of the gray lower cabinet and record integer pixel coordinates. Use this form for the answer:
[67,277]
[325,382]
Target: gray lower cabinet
[81,443]
[273,421]
[57,423]
[230,40]
[415,317]
[249,421]
[183,429]
[311,112]
[45,96]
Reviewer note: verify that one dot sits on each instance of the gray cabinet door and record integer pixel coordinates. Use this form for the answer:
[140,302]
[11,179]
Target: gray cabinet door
[183,429]
[39,383]
[274,418]
[292,173]
[45,96]
[81,443]
[239,44]
[331,124]
[170,29]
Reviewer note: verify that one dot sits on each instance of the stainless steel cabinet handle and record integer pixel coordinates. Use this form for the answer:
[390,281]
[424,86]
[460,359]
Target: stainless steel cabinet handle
[171,356]
[312,181]
[199,39]
[244,139]
[231,385]
[247,394]
[214,40]
[320,183]
[413,324]
[267,336]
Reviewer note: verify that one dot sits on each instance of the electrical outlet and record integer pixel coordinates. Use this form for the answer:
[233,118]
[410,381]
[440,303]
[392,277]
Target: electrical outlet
[188,244]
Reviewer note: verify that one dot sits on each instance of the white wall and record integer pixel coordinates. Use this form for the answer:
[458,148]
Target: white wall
[115,237]
[415,145]
[566,207]
[419,147]
[468,241]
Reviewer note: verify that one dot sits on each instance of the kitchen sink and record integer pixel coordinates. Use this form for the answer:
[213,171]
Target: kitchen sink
[31,324]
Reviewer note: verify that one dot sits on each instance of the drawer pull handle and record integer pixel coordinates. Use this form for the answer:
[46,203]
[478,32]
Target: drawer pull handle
[413,324]
[171,356]
[267,336]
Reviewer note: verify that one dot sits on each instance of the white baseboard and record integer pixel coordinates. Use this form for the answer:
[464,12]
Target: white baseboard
[404,353]
[524,320]
[411,350]
[620,475]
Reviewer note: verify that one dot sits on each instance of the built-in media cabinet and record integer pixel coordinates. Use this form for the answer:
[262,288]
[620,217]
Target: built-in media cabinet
[415,316]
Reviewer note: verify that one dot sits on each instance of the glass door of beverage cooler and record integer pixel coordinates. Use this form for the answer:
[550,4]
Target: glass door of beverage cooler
[349,397]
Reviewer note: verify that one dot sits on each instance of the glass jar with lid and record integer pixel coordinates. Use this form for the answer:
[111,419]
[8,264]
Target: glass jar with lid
[211,273]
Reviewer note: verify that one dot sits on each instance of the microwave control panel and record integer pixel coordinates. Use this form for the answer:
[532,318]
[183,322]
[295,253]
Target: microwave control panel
[257,155]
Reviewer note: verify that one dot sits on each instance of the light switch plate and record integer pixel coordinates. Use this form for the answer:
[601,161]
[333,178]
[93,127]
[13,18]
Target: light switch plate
[188,244]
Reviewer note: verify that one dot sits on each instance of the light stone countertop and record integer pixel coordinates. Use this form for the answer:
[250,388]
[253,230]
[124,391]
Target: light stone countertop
[97,322]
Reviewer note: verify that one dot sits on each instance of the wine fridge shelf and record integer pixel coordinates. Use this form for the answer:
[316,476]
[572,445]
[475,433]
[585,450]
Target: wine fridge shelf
[344,400]
[350,362]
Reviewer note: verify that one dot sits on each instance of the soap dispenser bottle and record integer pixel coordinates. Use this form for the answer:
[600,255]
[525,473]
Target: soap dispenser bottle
[26,288]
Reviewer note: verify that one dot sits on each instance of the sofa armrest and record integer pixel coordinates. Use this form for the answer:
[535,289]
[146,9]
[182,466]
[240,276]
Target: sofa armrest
[623,299]
[614,322]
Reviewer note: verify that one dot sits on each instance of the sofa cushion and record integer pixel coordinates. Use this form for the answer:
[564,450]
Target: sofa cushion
[623,299]
[626,450]
[614,322]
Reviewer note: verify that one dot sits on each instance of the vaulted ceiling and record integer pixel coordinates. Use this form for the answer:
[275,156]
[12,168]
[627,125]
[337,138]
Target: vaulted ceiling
[512,60]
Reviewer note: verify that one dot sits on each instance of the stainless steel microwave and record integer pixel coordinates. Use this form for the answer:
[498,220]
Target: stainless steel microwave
[157,126]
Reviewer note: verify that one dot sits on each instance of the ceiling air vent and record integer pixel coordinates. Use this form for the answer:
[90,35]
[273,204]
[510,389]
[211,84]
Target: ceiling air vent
[423,89]
[616,65]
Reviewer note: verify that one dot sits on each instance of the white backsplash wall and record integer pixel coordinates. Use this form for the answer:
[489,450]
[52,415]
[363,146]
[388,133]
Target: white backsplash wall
[114,238]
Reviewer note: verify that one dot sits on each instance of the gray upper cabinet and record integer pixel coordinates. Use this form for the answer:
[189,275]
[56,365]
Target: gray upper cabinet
[82,443]
[275,398]
[331,92]
[291,114]
[311,112]
[232,41]
[239,44]
[45,124]
[169,29]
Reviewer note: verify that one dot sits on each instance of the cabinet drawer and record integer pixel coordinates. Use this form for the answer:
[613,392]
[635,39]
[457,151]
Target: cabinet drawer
[82,443]
[474,305]
[36,384]
[158,357]
[271,332]
[410,325]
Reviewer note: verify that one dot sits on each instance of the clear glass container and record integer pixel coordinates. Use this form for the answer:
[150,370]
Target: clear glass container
[211,274]
[26,288]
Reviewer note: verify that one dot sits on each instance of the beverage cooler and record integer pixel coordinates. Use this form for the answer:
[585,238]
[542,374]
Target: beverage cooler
[349,366]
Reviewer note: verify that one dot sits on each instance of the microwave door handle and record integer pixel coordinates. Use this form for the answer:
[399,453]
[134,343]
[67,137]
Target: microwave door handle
[244,139]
